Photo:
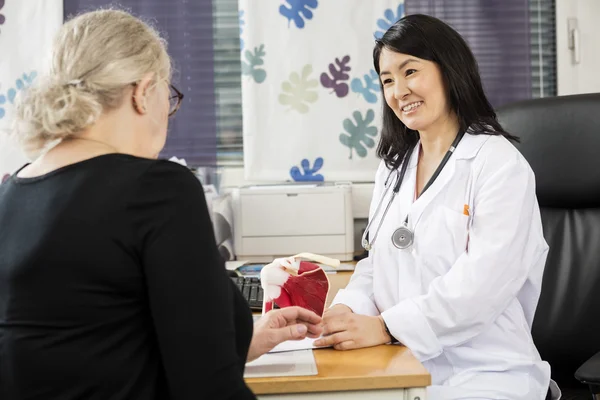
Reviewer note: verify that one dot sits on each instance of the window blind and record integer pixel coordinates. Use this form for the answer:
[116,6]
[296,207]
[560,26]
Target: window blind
[228,81]
[514,42]
[188,27]
[542,17]
[498,33]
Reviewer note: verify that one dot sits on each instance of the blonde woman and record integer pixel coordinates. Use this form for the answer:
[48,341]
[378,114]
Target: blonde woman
[111,285]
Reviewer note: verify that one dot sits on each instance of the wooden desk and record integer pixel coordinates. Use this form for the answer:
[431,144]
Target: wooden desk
[382,372]
[336,282]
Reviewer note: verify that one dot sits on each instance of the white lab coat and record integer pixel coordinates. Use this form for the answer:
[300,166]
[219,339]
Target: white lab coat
[463,297]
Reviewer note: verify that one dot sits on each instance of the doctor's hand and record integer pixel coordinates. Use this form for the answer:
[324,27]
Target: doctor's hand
[334,311]
[277,326]
[347,331]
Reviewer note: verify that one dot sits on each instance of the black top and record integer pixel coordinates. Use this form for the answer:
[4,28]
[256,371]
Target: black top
[112,287]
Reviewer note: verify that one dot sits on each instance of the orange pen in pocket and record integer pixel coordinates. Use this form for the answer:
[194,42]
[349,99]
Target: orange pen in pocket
[466,209]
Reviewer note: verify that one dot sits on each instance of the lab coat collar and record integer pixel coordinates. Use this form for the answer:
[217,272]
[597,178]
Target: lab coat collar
[467,148]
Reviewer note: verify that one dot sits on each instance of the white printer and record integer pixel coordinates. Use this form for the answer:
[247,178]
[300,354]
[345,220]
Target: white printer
[272,221]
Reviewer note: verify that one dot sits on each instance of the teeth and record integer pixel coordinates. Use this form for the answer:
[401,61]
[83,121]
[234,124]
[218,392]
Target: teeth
[411,106]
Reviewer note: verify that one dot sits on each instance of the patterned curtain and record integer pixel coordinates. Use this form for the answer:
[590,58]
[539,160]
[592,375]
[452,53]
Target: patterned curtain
[26,31]
[311,98]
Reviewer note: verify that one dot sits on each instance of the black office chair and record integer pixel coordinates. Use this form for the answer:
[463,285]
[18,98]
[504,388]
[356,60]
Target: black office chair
[560,138]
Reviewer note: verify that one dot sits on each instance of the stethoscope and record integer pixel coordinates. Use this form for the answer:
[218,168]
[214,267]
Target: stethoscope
[403,237]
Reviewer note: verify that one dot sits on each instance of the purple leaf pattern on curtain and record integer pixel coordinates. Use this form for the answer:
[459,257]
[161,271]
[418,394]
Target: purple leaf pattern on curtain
[2,18]
[338,75]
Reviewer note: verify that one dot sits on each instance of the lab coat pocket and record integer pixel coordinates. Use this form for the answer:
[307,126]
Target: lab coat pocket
[457,224]
[444,239]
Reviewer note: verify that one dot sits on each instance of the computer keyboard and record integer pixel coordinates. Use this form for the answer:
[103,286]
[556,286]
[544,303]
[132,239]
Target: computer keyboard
[251,290]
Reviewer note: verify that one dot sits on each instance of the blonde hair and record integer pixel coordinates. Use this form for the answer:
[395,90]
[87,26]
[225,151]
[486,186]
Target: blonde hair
[95,57]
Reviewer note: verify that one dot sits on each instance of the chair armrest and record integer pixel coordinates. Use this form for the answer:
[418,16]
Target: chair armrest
[589,372]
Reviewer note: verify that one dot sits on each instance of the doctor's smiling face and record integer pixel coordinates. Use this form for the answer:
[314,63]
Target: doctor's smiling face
[428,75]
[414,89]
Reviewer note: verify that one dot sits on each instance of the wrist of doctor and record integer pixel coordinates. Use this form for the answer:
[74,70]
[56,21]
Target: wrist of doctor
[353,331]
[388,334]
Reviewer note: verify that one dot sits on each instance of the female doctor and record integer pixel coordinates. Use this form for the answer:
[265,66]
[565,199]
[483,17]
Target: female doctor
[456,248]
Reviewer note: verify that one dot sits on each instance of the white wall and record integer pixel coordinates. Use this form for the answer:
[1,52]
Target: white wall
[584,76]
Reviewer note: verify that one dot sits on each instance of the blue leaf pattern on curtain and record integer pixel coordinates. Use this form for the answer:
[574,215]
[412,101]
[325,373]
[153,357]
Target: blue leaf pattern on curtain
[359,136]
[390,18]
[369,89]
[255,59]
[321,99]
[11,93]
[298,11]
[242,23]
[308,174]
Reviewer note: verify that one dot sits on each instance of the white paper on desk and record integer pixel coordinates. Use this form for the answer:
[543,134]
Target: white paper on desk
[280,187]
[293,363]
[233,265]
[339,268]
[293,345]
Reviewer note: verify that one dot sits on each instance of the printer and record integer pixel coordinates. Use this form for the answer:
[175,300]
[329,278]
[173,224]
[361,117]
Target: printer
[272,221]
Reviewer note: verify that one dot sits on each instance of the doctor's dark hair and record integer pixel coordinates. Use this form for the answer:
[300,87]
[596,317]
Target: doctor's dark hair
[429,38]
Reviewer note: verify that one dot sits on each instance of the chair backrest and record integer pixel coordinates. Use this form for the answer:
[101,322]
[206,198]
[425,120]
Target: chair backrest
[560,138]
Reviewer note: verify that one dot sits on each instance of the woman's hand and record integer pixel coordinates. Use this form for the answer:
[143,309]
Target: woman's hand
[277,326]
[346,330]
[334,311]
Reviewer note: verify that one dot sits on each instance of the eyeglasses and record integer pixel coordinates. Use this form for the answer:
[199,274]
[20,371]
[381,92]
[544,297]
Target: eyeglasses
[175,99]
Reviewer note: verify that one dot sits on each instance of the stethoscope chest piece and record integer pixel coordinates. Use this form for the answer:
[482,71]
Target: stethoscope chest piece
[402,238]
